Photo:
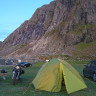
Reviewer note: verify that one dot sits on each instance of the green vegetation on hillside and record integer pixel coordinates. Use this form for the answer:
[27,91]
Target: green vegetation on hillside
[80,28]
[21,45]
[56,56]
[56,31]
[82,46]
[81,50]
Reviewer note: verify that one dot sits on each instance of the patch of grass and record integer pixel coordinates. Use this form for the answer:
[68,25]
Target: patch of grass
[77,61]
[21,45]
[80,27]
[82,46]
[56,56]
[23,87]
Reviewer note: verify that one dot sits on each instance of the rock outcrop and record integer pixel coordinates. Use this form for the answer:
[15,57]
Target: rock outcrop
[1,44]
[62,23]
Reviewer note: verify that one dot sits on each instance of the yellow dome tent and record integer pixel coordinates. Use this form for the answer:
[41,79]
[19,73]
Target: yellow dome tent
[49,77]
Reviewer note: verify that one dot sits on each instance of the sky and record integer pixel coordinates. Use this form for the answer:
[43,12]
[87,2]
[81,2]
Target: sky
[14,12]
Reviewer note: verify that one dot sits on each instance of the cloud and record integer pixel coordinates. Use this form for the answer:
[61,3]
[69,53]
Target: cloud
[5,31]
[13,27]
[4,35]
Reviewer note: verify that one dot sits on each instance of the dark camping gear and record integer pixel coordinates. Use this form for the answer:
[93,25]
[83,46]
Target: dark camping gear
[17,71]
[90,70]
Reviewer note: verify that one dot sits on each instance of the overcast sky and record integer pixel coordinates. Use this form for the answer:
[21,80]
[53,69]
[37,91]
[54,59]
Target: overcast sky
[14,12]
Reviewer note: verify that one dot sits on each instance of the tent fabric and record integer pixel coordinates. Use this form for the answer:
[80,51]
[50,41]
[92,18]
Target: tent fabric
[49,77]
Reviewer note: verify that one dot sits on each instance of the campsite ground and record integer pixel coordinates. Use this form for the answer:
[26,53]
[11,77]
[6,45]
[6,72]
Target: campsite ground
[24,87]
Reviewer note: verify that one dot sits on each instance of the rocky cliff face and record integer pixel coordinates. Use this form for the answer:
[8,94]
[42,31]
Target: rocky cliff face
[1,44]
[34,28]
[62,23]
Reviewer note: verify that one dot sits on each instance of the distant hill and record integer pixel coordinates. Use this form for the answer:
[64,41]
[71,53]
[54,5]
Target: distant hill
[1,43]
[66,27]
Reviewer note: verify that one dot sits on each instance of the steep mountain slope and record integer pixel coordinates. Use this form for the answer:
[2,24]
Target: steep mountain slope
[34,28]
[58,28]
[0,43]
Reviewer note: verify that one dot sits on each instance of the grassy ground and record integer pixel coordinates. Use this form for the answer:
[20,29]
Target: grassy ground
[23,87]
